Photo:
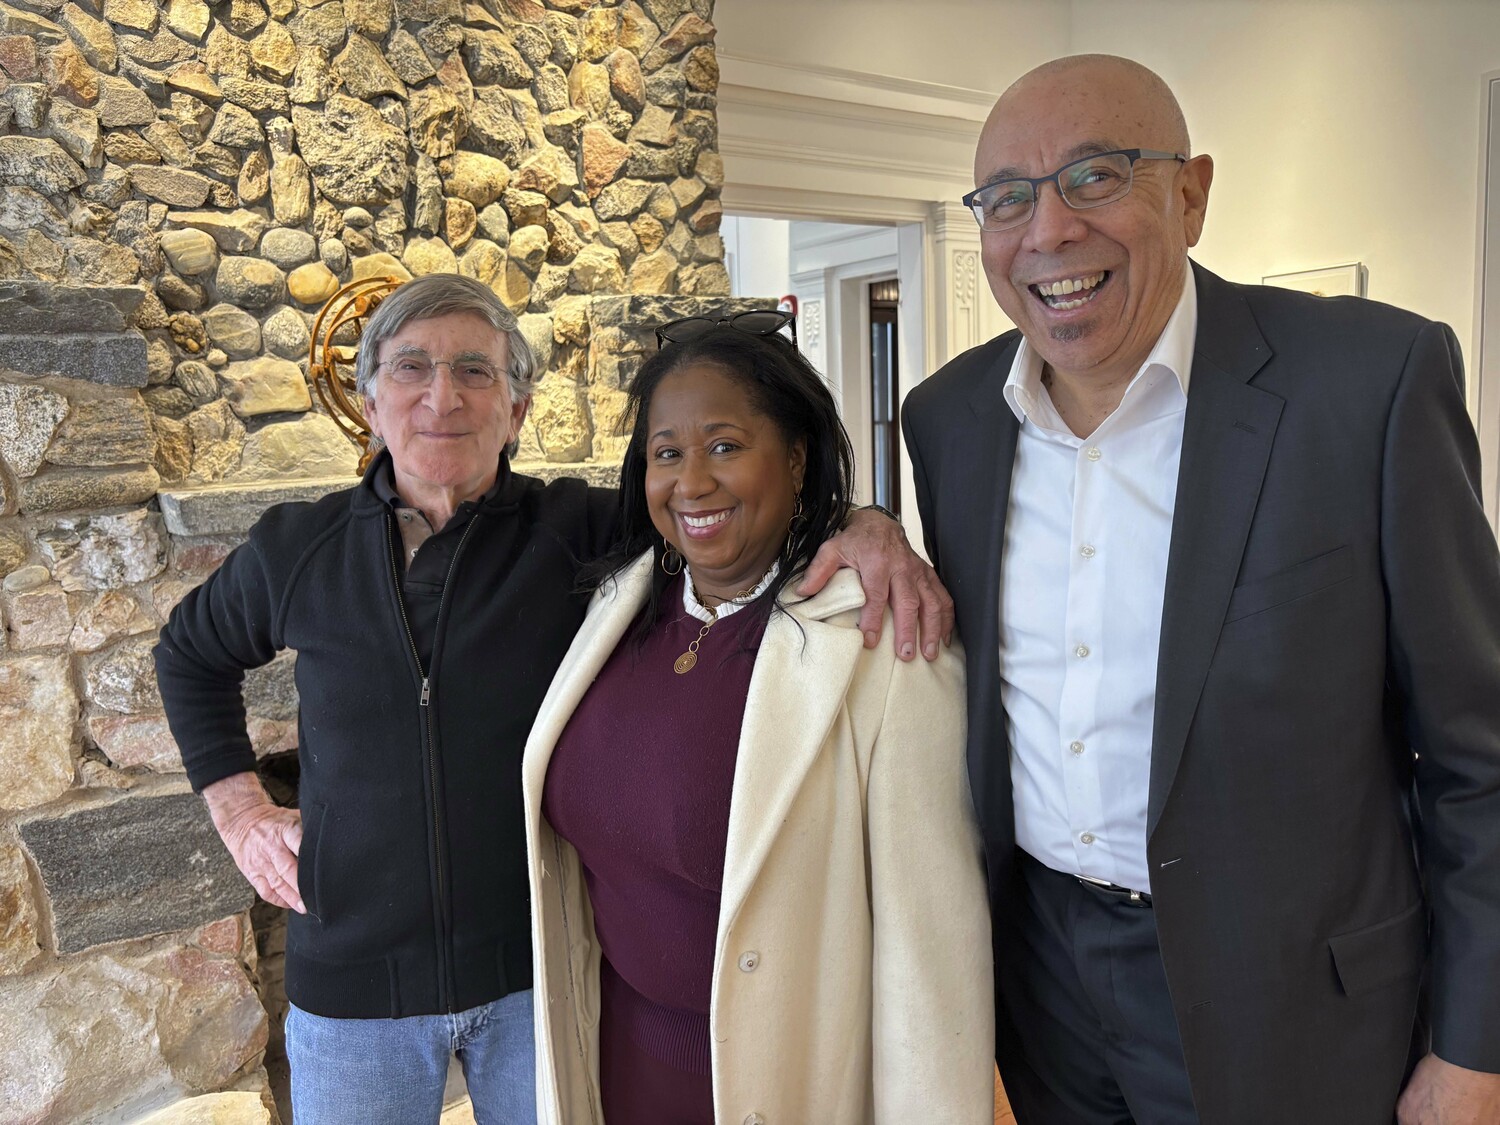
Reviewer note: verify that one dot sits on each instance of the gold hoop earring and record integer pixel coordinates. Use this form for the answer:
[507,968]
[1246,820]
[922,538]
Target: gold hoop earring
[798,520]
[670,555]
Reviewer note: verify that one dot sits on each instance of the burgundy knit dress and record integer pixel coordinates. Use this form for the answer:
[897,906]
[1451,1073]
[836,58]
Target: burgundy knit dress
[640,784]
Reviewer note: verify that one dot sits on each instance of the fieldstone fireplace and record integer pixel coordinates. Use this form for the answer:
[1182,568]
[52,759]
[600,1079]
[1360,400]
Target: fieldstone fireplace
[183,185]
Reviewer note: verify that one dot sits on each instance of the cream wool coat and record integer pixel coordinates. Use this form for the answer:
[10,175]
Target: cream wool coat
[852,975]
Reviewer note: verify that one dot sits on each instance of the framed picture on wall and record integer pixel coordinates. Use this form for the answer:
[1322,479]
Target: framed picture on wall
[1331,281]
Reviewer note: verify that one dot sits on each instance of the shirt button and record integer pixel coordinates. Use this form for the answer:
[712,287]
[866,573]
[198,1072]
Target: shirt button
[754,1119]
[1076,747]
[749,961]
[1093,453]
[1081,651]
[1087,838]
[1087,551]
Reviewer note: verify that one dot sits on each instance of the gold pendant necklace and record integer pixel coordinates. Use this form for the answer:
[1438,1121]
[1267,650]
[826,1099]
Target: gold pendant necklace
[689,659]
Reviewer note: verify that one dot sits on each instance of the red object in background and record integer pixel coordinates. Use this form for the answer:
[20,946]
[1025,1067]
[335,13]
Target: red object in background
[788,304]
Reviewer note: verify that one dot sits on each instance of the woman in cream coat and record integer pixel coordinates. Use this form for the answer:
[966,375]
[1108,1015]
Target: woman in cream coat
[851,967]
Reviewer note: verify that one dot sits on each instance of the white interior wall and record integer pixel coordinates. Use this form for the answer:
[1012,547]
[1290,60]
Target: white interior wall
[758,255]
[1342,129]
[960,43]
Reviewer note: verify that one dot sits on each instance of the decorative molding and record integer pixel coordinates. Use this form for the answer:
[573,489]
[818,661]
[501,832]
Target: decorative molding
[952,220]
[812,323]
[785,153]
[893,118]
[768,201]
[855,87]
[965,272]
[964,313]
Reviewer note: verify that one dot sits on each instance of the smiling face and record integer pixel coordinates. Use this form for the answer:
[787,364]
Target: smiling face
[445,439]
[720,478]
[1092,289]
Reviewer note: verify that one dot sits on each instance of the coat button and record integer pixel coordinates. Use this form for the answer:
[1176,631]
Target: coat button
[754,1119]
[749,962]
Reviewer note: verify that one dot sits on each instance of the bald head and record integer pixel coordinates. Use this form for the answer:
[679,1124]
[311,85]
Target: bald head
[1130,101]
[1120,256]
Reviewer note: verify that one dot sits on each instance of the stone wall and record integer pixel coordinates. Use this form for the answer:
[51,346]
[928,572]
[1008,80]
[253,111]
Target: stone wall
[182,185]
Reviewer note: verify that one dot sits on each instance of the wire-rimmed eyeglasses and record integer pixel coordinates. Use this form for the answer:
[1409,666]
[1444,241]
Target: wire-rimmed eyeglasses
[1091,181]
[415,368]
[756,322]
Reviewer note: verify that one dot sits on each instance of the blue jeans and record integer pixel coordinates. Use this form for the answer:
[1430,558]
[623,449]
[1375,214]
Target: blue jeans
[392,1071]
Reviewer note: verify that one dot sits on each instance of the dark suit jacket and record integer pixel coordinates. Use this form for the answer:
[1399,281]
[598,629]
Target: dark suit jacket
[1324,816]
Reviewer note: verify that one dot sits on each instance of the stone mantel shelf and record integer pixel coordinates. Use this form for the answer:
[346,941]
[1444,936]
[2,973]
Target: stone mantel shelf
[231,509]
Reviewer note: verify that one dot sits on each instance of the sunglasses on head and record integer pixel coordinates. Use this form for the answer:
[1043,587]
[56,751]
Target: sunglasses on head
[758,322]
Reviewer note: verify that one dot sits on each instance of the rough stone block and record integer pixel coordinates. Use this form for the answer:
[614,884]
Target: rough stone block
[109,358]
[176,187]
[111,616]
[190,251]
[12,550]
[311,447]
[100,432]
[312,284]
[131,868]
[354,154]
[234,231]
[39,618]
[105,552]
[37,712]
[18,917]
[102,1038]
[39,163]
[232,1108]
[29,416]
[233,509]
[250,283]
[234,330]
[218,436]
[265,386]
[62,490]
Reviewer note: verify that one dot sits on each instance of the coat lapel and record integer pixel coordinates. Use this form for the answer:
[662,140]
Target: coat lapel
[796,693]
[988,491]
[1226,444]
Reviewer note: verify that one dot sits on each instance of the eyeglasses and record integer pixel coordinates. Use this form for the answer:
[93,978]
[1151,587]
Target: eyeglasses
[757,322]
[1090,182]
[417,369]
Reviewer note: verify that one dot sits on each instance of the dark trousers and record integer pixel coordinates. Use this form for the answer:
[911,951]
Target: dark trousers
[1087,1032]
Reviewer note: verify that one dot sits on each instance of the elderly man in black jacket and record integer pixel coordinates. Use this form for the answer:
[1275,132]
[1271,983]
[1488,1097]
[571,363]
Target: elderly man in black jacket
[429,606]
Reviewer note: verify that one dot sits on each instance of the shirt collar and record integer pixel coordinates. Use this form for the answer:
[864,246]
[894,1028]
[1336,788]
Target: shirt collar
[695,608]
[1027,398]
[383,482]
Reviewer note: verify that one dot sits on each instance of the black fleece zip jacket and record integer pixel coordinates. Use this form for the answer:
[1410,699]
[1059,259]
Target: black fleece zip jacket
[413,861]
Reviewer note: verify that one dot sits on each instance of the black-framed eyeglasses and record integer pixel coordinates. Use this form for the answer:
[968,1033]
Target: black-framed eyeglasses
[1091,181]
[756,322]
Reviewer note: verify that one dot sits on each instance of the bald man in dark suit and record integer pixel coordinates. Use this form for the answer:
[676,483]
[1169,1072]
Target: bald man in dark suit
[1232,616]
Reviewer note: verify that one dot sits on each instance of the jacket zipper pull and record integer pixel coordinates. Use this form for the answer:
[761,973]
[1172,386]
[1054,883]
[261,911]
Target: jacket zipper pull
[426,691]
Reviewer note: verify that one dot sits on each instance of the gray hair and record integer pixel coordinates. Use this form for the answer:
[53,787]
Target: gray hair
[438,294]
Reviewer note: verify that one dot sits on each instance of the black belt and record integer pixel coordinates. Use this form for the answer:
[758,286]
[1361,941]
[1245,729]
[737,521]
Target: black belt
[1124,894]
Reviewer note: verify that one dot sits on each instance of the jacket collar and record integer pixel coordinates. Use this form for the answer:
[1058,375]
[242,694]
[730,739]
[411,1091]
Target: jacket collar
[375,492]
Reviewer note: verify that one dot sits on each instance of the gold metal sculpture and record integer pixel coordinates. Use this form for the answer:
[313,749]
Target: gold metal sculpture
[330,355]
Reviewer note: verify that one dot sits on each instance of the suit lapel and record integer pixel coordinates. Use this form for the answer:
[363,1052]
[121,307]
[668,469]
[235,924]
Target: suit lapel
[796,693]
[1226,444]
[986,493]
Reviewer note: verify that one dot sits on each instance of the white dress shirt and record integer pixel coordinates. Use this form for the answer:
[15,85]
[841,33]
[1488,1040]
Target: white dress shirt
[1082,586]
